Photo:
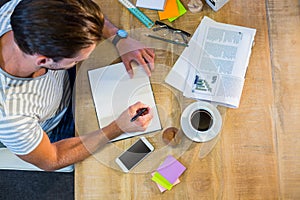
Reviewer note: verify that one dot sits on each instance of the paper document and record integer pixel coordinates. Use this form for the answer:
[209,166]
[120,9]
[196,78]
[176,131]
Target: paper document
[214,65]
[150,4]
[113,92]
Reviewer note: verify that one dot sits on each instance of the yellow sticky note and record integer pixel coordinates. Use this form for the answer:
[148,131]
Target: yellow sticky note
[171,10]
[161,188]
[181,9]
[158,178]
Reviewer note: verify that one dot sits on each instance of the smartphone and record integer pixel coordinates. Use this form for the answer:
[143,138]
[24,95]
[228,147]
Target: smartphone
[134,154]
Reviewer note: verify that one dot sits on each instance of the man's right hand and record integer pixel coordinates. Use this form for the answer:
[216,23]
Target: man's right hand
[123,124]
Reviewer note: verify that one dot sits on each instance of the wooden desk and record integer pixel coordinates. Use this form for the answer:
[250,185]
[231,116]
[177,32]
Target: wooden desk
[257,154]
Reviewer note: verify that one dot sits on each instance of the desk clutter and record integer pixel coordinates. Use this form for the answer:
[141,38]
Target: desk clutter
[211,69]
[167,174]
[168,9]
[172,9]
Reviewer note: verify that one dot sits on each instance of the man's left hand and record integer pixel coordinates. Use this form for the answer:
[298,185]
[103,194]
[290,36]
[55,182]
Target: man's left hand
[132,50]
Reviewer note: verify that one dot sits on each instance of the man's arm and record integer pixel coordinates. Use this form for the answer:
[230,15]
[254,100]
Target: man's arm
[130,50]
[52,156]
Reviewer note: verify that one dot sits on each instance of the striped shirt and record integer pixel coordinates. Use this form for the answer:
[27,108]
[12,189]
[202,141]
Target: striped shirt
[29,106]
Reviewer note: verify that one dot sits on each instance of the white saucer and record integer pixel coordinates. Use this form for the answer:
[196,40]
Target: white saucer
[194,134]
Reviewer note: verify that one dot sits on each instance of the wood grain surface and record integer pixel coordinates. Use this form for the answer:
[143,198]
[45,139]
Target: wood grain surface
[256,155]
[284,28]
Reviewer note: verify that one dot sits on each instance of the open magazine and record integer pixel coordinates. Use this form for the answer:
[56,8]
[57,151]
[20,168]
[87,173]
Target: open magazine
[213,66]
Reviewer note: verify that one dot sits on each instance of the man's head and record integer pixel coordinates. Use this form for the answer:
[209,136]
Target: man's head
[56,29]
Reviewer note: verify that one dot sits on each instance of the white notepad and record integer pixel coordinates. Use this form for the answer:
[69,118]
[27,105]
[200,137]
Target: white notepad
[151,4]
[114,91]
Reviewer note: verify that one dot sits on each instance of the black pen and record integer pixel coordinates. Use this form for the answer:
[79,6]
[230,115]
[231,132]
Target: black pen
[139,113]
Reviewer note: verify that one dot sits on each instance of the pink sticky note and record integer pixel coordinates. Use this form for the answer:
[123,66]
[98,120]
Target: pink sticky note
[171,169]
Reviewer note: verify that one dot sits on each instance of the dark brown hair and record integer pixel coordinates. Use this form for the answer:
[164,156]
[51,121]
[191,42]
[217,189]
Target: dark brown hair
[56,28]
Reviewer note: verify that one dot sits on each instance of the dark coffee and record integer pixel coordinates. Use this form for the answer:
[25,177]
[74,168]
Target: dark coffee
[201,120]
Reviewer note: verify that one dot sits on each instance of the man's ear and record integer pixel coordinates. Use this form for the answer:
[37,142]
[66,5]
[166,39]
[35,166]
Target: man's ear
[43,61]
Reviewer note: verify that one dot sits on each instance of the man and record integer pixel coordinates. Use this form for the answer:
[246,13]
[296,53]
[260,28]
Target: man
[39,41]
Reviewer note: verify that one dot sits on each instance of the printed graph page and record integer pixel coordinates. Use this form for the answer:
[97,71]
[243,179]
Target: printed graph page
[215,60]
[228,47]
[219,47]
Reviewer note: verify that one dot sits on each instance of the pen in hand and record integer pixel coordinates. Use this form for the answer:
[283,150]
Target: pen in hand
[139,113]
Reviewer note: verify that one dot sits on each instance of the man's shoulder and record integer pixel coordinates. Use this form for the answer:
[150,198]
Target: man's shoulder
[19,133]
[5,12]
[2,2]
[10,2]
[16,119]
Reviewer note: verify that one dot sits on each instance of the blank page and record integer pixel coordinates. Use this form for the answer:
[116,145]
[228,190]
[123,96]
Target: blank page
[114,91]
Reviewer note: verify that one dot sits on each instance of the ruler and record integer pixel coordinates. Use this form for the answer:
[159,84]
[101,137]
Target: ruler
[137,13]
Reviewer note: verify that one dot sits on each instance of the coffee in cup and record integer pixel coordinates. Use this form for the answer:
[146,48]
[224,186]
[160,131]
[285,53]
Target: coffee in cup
[201,120]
